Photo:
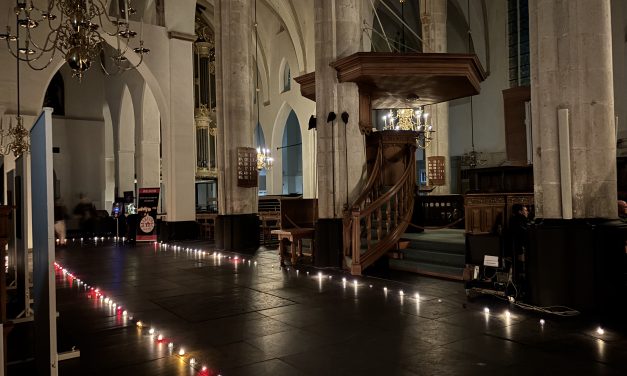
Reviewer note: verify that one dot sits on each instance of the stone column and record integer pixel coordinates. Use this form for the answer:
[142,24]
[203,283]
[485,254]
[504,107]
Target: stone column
[340,154]
[238,221]
[571,60]
[125,153]
[433,18]
[573,254]
[148,159]
[126,171]
[338,32]
[178,141]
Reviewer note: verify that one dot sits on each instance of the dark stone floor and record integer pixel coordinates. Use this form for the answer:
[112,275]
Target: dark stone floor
[242,318]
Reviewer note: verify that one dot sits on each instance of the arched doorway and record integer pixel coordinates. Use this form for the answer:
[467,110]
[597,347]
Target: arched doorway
[292,156]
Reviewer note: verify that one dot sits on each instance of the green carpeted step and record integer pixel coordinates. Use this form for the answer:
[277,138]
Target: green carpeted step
[434,257]
[446,240]
[425,268]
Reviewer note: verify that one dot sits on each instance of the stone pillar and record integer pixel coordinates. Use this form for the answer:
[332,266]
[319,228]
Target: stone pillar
[125,153]
[148,158]
[571,60]
[575,253]
[238,222]
[148,173]
[126,171]
[177,143]
[340,154]
[338,32]
[433,18]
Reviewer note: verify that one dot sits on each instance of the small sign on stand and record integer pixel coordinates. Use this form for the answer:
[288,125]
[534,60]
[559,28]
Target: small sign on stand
[247,174]
[147,203]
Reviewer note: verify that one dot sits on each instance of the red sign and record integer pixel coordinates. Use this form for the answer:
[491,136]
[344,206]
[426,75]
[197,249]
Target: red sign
[147,203]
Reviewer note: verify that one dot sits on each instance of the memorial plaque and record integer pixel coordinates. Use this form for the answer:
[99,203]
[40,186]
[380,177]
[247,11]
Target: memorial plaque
[436,170]
[247,167]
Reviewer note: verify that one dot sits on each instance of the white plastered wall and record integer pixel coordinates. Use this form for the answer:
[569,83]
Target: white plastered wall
[156,64]
[274,113]
[489,128]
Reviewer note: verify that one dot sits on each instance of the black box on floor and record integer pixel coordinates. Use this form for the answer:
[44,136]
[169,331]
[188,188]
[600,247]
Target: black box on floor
[329,242]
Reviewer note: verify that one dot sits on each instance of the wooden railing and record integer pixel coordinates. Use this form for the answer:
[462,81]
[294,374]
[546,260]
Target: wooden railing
[369,194]
[439,210]
[379,217]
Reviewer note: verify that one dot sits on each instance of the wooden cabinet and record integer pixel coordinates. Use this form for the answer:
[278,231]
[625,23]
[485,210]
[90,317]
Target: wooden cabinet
[489,212]
[501,179]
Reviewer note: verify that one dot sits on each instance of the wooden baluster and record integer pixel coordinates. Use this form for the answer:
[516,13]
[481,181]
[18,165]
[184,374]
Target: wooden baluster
[388,215]
[348,231]
[401,201]
[356,237]
[368,230]
[406,199]
[379,224]
[396,213]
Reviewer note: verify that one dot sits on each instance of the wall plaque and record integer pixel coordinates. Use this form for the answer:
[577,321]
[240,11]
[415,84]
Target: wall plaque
[246,167]
[436,170]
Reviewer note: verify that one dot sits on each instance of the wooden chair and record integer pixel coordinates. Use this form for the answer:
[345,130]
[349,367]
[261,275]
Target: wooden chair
[298,218]
[207,224]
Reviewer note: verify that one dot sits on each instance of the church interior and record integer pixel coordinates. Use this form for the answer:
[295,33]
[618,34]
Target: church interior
[313,187]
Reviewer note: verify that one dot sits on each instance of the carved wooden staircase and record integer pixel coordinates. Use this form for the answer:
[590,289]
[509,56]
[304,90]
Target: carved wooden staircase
[380,215]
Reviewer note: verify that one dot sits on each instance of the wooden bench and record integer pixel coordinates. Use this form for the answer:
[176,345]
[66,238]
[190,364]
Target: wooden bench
[295,237]
[298,218]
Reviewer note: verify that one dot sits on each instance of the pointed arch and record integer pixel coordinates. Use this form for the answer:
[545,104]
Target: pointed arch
[292,156]
[109,157]
[125,148]
[55,95]
[285,76]
[149,142]
[284,10]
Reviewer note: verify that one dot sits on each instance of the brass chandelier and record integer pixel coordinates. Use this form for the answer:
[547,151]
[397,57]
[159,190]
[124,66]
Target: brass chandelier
[15,138]
[76,29]
[264,156]
[264,159]
[409,119]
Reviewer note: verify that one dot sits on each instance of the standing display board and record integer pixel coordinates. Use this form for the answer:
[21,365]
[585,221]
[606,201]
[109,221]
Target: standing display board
[436,170]
[147,203]
[22,220]
[247,167]
[44,292]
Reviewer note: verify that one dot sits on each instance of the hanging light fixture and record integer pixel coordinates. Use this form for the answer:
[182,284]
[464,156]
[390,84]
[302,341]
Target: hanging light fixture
[473,158]
[264,157]
[15,138]
[76,29]
[409,119]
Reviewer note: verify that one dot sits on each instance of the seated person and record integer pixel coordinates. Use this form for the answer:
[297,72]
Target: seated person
[518,226]
[622,210]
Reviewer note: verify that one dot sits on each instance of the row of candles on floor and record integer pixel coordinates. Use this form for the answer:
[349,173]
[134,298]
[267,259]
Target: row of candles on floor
[95,239]
[320,276]
[152,332]
[159,338]
[203,370]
